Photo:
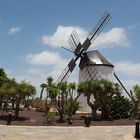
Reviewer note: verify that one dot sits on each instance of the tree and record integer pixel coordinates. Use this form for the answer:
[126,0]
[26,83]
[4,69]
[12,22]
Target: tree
[97,92]
[24,89]
[13,92]
[3,78]
[9,89]
[135,97]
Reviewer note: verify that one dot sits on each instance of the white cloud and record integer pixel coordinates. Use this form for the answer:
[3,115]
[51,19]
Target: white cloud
[128,73]
[128,68]
[44,58]
[14,30]
[60,37]
[114,37]
[53,59]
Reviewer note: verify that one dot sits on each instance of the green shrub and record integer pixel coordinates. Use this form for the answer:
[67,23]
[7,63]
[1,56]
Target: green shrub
[71,108]
[118,107]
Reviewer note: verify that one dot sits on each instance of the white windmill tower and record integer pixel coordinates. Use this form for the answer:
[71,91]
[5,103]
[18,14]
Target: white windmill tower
[94,66]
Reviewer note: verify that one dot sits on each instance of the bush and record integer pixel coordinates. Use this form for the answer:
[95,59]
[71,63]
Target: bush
[71,108]
[118,107]
[27,102]
[38,104]
[48,116]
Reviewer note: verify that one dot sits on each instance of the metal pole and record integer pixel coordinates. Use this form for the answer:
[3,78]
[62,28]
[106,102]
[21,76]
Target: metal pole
[137,135]
[9,118]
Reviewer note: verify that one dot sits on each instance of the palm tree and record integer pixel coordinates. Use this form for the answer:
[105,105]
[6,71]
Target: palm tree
[62,98]
[47,86]
[43,86]
[74,92]
[67,97]
[71,89]
[50,81]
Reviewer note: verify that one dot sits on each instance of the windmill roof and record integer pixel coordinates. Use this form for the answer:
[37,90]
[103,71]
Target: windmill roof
[95,57]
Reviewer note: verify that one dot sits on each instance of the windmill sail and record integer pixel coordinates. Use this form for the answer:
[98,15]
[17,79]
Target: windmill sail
[96,30]
[73,40]
[66,72]
[80,49]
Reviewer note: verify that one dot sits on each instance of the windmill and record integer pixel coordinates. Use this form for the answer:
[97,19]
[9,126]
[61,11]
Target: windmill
[93,65]
[81,49]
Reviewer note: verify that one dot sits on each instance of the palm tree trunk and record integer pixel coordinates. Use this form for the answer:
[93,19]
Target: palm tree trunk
[13,103]
[41,93]
[17,107]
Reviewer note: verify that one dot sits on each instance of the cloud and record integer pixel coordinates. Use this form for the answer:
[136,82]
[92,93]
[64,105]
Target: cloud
[14,30]
[53,59]
[52,62]
[128,73]
[128,68]
[114,37]
[61,35]
[44,58]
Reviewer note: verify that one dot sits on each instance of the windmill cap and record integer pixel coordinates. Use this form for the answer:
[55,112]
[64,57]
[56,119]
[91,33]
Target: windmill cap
[96,58]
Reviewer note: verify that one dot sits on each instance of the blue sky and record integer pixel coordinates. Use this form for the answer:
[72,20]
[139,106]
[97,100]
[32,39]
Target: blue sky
[33,31]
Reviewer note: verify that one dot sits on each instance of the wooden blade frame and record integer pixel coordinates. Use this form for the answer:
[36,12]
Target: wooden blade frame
[96,30]
[73,40]
[66,72]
